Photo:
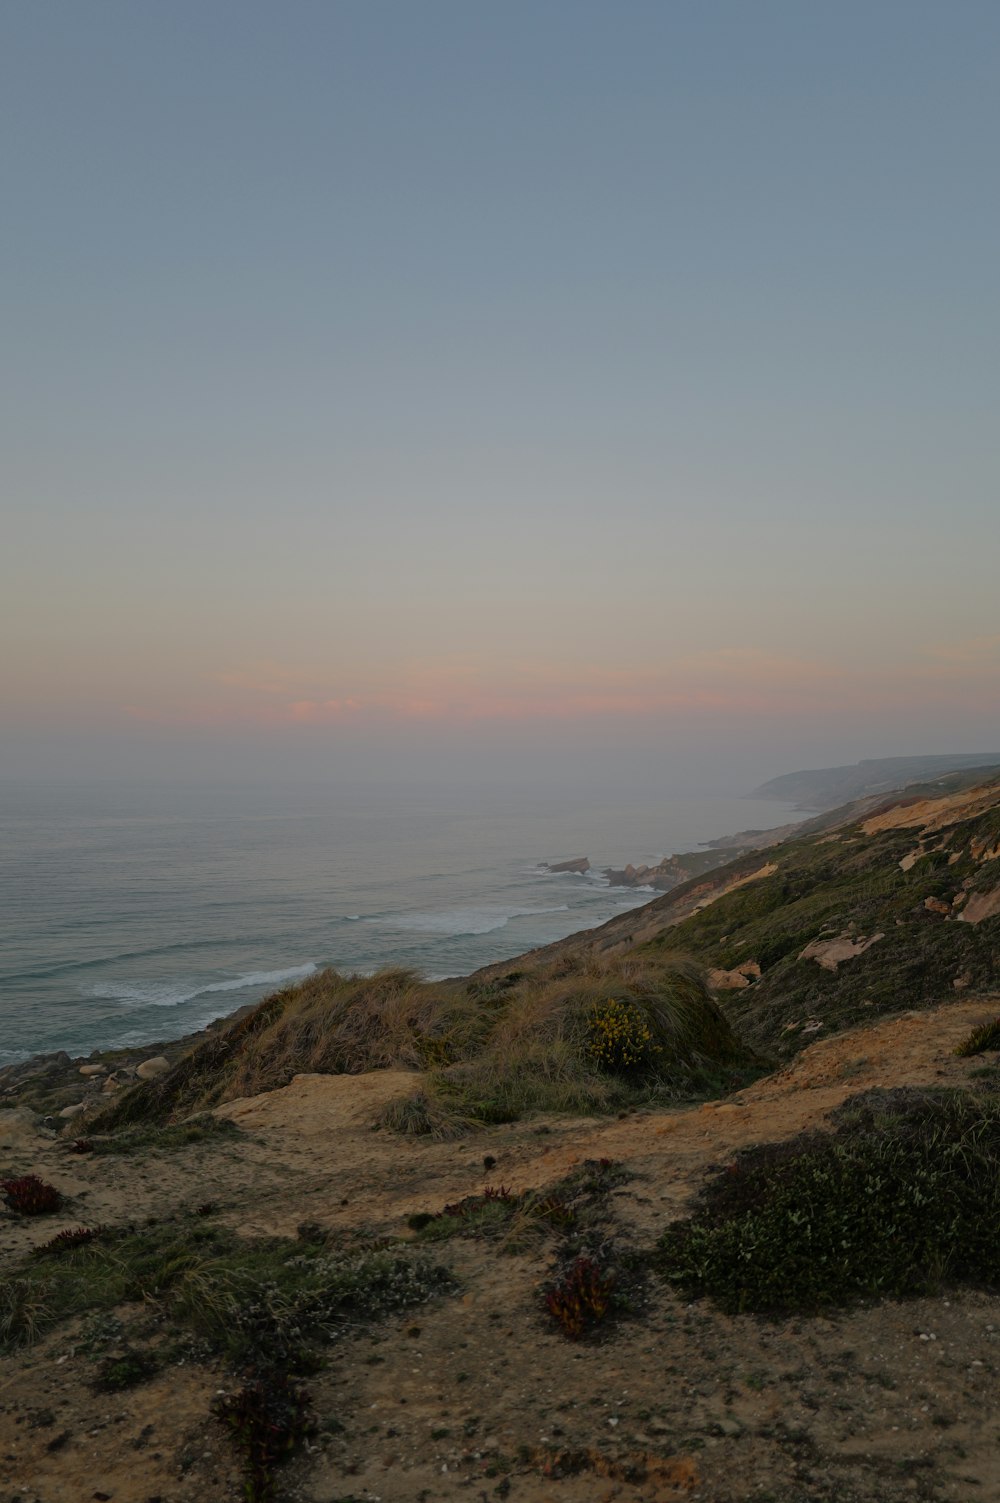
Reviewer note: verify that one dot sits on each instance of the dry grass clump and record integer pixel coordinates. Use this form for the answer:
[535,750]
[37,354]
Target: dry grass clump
[538,1054]
[982,1040]
[346,1025]
[327,1024]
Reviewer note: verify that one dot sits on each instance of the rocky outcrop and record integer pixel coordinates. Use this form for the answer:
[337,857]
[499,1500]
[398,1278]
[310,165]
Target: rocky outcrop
[579,864]
[830,953]
[666,874]
[981,905]
[151,1068]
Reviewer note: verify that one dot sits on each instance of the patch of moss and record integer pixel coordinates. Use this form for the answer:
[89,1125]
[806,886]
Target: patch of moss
[125,1369]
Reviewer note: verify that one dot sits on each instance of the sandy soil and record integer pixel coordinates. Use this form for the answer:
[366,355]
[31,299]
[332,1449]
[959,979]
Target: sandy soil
[476,1396]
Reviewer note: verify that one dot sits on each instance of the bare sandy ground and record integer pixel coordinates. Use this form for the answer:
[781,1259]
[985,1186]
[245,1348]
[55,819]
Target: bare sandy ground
[476,1396]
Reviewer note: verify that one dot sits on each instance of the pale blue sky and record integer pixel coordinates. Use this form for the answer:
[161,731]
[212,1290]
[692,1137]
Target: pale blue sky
[366,363]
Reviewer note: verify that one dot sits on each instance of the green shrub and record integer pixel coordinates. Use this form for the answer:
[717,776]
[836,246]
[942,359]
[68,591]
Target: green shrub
[619,1038]
[902,1197]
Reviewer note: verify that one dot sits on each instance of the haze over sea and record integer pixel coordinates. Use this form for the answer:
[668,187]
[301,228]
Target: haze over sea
[138,912]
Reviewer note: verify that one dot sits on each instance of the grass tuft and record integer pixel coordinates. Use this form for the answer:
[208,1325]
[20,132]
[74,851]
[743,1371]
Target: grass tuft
[982,1040]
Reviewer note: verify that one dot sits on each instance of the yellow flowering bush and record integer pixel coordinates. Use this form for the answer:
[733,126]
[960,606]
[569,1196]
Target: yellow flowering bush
[619,1038]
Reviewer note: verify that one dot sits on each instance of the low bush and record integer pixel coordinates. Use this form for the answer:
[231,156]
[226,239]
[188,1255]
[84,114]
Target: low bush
[619,1037]
[251,1300]
[902,1197]
[573,1207]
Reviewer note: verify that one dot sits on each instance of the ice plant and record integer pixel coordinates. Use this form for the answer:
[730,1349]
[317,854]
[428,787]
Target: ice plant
[580,1298]
[30,1196]
[66,1241]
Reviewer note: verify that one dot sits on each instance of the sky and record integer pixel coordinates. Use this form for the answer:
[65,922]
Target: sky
[551,389]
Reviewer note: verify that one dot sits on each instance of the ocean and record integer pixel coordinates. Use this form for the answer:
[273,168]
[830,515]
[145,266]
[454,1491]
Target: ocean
[134,913]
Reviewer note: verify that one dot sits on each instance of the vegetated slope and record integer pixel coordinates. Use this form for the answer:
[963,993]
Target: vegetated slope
[268,1242]
[897,911]
[827,787]
[884,905]
[587,1035]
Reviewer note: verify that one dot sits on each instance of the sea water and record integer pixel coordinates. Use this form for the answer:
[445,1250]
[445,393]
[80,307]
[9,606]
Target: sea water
[132,914]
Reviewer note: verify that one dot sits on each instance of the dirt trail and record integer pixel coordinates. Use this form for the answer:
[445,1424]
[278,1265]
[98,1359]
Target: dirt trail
[475,1397]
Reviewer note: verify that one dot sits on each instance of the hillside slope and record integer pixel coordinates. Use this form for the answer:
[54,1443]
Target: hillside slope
[884,905]
[827,787]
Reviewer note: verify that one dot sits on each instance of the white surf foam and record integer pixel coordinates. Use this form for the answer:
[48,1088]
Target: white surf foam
[455,921]
[174,994]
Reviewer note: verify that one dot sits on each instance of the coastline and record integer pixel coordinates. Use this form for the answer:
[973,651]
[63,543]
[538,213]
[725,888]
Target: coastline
[54,1084]
[184,907]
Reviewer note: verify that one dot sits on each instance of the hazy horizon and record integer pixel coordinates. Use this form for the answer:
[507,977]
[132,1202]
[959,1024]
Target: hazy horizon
[550,393]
